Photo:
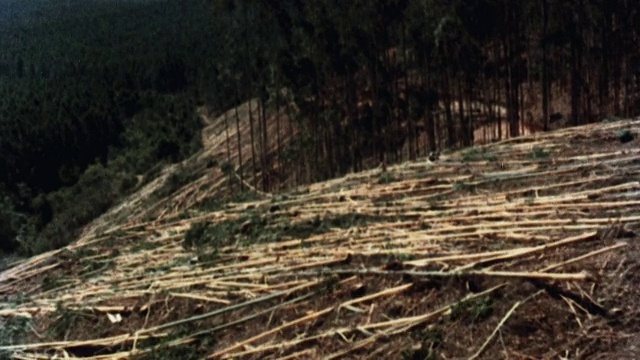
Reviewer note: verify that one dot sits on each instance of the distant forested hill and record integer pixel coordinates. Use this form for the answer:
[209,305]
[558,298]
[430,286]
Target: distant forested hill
[14,10]
[91,94]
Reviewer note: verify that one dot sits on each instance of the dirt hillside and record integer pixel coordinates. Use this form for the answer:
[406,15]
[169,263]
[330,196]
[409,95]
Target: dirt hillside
[523,249]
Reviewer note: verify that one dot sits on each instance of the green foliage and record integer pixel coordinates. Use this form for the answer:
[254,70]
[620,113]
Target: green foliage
[478,154]
[196,235]
[97,189]
[625,136]
[539,153]
[433,335]
[13,330]
[164,130]
[122,94]
[472,311]
[67,320]
[254,227]
[95,268]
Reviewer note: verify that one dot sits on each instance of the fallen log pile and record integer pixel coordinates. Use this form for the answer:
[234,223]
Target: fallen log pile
[526,248]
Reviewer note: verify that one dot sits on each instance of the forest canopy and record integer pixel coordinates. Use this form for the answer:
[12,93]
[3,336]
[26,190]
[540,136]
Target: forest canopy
[92,93]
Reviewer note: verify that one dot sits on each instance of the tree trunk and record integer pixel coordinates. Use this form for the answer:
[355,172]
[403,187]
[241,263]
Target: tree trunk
[408,115]
[279,164]
[240,163]
[253,145]
[429,120]
[545,66]
[576,60]
[266,183]
[461,116]
[451,130]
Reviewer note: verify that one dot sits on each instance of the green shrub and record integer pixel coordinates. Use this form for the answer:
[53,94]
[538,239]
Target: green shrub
[472,311]
[538,153]
[97,189]
[12,331]
[625,136]
[478,154]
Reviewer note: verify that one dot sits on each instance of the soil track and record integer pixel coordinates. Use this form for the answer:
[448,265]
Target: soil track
[523,249]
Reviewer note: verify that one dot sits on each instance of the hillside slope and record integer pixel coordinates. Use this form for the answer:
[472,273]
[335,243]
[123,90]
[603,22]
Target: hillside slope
[527,249]
[176,188]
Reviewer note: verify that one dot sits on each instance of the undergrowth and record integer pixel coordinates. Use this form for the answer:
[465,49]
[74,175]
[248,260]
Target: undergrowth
[66,320]
[539,153]
[478,154]
[13,331]
[429,339]
[472,311]
[255,227]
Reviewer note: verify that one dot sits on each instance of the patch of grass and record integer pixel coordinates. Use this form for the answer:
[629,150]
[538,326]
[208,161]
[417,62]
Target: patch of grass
[13,330]
[65,321]
[196,235]
[430,338]
[538,153]
[144,245]
[433,335]
[50,282]
[255,227]
[21,298]
[250,228]
[402,257]
[478,154]
[472,311]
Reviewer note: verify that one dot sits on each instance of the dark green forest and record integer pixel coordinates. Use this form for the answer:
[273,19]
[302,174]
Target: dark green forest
[94,93]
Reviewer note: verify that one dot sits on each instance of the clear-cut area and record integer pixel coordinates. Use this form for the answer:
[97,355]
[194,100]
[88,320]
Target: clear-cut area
[521,249]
